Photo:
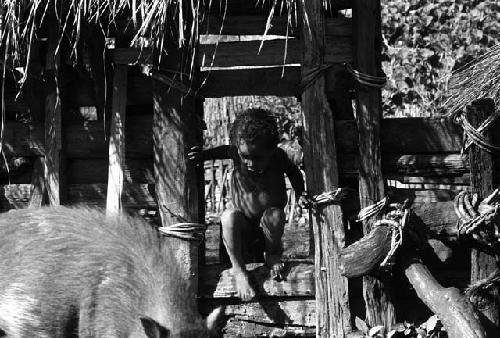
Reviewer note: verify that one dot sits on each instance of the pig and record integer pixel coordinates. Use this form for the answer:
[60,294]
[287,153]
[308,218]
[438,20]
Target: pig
[74,272]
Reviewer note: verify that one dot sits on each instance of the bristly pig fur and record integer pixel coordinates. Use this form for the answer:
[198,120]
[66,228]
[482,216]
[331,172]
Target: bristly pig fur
[68,272]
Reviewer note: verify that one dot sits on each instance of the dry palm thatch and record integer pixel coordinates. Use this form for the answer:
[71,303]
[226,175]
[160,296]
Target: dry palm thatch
[20,20]
[477,80]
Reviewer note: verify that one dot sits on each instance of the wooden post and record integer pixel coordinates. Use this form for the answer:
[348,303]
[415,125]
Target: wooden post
[332,303]
[38,183]
[366,15]
[482,174]
[176,128]
[53,121]
[117,141]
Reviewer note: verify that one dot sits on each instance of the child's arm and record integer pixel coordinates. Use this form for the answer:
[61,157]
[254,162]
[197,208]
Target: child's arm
[293,172]
[217,153]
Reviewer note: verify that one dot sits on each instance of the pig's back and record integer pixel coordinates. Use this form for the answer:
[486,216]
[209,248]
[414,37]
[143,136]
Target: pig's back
[62,265]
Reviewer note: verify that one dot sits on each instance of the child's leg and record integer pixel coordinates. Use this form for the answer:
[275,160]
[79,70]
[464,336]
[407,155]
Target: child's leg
[234,225]
[273,224]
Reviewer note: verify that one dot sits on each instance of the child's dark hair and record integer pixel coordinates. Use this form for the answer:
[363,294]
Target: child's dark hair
[255,126]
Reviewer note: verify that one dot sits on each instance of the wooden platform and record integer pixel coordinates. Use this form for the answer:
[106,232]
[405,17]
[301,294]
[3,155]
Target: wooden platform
[280,307]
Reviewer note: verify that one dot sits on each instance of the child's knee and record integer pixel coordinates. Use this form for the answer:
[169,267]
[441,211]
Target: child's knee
[273,219]
[230,217]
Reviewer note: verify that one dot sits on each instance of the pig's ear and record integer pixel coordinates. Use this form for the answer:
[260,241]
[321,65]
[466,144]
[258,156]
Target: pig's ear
[215,321]
[153,329]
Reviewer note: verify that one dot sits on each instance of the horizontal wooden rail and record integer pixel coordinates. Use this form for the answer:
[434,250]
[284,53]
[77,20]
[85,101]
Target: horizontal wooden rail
[255,25]
[251,7]
[398,136]
[278,81]
[286,306]
[433,209]
[218,281]
[272,53]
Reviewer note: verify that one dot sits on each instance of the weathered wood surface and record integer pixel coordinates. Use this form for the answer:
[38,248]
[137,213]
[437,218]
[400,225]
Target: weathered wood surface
[453,309]
[272,53]
[116,153]
[400,136]
[94,170]
[131,56]
[54,157]
[416,165]
[177,127]
[255,25]
[245,7]
[367,48]
[269,318]
[218,281]
[37,191]
[463,180]
[482,176]
[139,169]
[365,255]
[439,217]
[278,81]
[272,311]
[320,158]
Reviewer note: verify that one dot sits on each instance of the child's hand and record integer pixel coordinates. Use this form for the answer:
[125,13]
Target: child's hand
[305,200]
[196,154]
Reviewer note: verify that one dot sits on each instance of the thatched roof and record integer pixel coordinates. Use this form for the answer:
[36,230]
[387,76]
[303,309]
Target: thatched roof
[476,80]
[21,20]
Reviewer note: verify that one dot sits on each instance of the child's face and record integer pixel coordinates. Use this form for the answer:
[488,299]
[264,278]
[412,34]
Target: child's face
[255,157]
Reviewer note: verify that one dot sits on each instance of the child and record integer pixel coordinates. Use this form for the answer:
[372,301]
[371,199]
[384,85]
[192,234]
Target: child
[257,190]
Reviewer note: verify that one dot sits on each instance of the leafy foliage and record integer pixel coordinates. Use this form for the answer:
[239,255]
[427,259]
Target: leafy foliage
[432,328]
[424,41]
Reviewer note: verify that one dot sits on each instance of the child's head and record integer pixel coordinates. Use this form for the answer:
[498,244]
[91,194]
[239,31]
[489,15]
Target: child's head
[255,134]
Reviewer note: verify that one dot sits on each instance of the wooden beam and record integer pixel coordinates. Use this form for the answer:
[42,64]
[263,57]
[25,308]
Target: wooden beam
[398,136]
[332,303]
[482,177]
[255,26]
[53,122]
[177,127]
[232,54]
[131,56]
[174,131]
[218,281]
[268,318]
[116,152]
[278,81]
[366,13]
[414,165]
[406,136]
[38,184]
[439,216]
[245,7]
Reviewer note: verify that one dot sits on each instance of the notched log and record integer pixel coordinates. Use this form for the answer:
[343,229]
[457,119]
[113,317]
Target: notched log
[365,255]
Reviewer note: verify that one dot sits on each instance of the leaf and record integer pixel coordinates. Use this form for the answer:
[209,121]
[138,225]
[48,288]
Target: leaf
[431,323]
[361,325]
[391,333]
[376,330]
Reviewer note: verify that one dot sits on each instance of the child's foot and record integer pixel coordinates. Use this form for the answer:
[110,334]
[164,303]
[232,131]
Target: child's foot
[275,266]
[243,288]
